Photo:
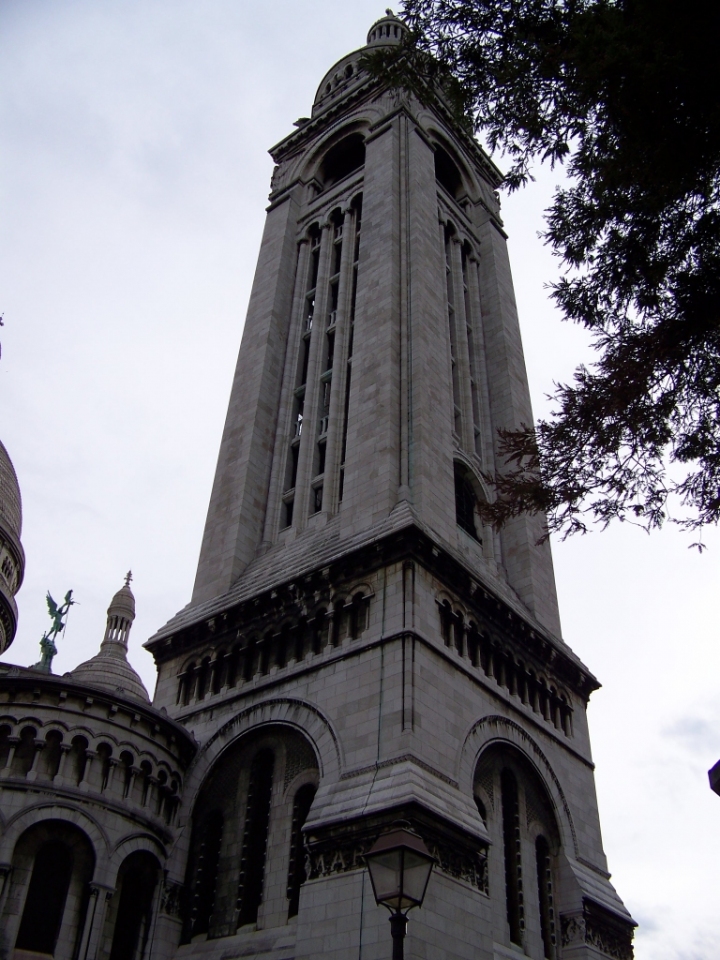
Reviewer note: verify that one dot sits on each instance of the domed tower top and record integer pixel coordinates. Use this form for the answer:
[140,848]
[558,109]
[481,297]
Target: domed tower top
[10,500]
[12,557]
[110,668]
[347,71]
[388,29]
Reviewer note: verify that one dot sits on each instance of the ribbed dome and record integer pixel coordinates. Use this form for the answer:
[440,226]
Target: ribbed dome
[110,670]
[123,604]
[10,501]
[386,31]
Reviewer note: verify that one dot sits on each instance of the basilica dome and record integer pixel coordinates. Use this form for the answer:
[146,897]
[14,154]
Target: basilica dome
[10,501]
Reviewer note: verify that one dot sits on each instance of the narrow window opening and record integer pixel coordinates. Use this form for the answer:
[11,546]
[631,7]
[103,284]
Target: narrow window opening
[322,447]
[337,255]
[512,854]
[207,862]
[465,502]
[292,466]
[255,837]
[317,498]
[447,173]
[296,871]
[545,896]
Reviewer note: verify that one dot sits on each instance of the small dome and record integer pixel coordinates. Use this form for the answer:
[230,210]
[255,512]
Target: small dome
[388,29]
[110,670]
[10,501]
[123,603]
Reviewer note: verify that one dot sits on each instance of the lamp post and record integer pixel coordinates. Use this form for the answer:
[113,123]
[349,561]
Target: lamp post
[399,864]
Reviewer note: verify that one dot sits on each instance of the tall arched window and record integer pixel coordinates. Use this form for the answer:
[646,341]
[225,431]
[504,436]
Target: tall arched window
[296,870]
[447,173]
[343,159]
[46,896]
[137,880]
[465,501]
[52,864]
[255,837]
[239,869]
[516,808]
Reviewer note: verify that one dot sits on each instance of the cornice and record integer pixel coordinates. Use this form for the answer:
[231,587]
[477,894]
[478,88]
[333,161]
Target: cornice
[227,616]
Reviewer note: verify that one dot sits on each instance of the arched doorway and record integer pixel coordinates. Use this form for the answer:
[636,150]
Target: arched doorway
[52,865]
[131,915]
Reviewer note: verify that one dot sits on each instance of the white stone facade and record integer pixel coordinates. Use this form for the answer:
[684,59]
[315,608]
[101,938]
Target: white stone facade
[358,649]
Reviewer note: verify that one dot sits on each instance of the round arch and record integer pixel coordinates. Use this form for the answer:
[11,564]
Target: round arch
[133,843]
[312,164]
[494,730]
[296,714]
[30,816]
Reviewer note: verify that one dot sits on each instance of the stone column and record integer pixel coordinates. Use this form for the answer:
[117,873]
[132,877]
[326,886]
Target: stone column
[309,434]
[462,357]
[65,749]
[7,770]
[283,431]
[85,782]
[111,774]
[339,369]
[5,875]
[32,772]
[90,941]
[480,372]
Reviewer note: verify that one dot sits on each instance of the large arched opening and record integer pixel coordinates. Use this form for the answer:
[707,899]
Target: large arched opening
[52,865]
[518,813]
[246,850]
[129,922]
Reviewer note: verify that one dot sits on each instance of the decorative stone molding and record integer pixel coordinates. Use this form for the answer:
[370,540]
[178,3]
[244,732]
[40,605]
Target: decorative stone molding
[599,928]
[341,850]
[172,898]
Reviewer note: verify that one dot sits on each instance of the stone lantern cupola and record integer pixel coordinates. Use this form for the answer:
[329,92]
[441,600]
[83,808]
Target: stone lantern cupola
[110,668]
[386,30]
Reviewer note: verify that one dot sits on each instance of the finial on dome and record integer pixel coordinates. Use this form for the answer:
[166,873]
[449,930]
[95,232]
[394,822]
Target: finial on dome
[388,12]
[128,578]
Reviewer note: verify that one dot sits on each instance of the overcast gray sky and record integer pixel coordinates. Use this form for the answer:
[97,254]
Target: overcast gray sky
[134,179]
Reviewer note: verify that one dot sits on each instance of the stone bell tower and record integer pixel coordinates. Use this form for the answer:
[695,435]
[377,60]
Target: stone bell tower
[358,647]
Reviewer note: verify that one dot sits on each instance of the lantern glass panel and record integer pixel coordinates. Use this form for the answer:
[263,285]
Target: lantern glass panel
[386,875]
[416,875]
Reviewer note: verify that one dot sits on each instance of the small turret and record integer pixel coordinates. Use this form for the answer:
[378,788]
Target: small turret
[110,668]
[386,30]
[121,614]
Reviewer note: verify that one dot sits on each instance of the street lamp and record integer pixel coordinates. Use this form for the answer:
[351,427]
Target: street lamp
[399,865]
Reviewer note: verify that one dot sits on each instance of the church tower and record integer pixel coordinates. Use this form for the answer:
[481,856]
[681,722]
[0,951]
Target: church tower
[359,648]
